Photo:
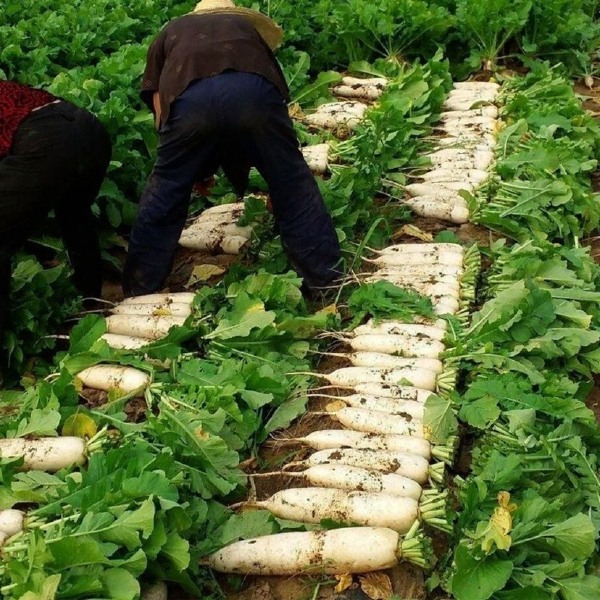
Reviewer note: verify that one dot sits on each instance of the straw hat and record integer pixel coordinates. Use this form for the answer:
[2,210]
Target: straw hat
[268,29]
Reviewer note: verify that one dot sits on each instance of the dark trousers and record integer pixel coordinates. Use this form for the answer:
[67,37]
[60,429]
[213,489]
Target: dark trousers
[239,115]
[57,160]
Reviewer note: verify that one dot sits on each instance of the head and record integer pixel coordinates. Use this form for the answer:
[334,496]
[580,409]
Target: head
[266,27]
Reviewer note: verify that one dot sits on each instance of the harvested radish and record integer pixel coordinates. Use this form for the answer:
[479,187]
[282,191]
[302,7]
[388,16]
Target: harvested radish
[125,380]
[402,345]
[124,342]
[389,405]
[345,477]
[177,297]
[213,241]
[376,421]
[46,454]
[388,361]
[471,175]
[351,376]
[468,139]
[335,552]
[387,390]
[440,248]
[397,262]
[489,111]
[410,330]
[432,208]
[425,258]
[439,190]
[226,208]
[352,87]
[167,309]
[152,328]
[337,114]
[11,521]
[433,290]
[313,504]
[325,439]
[317,157]
[412,466]
[209,230]
[476,85]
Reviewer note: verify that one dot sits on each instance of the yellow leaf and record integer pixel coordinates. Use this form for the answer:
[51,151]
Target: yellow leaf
[413,231]
[204,273]
[344,582]
[80,425]
[331,309]
[377,586]
[335,406]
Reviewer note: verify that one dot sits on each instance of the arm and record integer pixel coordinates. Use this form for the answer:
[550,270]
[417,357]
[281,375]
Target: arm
[156,104]
[150,82]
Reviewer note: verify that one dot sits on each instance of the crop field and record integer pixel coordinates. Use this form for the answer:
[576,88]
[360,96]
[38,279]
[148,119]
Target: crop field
[426,429]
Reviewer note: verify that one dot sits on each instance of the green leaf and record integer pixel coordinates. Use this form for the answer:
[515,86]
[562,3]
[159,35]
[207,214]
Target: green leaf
[176,549]
[48,589]
[121,585]
[86,332]
[247,314]
[439,420]
[480,413]
[574,538]
[576,588]
[478,579]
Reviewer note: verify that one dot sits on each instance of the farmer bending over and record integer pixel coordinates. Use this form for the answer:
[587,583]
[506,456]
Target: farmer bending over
[53,156]
[219,97]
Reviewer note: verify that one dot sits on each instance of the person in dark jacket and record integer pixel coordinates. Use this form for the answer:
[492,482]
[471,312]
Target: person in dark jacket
[220,100]
[53,156]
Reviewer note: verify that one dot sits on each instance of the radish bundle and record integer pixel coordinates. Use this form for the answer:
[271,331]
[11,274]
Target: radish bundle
[372,509]
[335,552]
[352,87]
[337,115]
[317,158]
[117,378]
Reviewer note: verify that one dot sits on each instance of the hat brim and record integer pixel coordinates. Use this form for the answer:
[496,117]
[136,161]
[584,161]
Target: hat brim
[266,27]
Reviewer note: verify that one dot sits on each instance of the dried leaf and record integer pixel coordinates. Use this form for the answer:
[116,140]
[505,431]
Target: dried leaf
[335,406]
[377,586]
[204,273]
[413,231]
[344,582]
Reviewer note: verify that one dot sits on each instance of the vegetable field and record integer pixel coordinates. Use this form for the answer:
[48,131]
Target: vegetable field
[428,428]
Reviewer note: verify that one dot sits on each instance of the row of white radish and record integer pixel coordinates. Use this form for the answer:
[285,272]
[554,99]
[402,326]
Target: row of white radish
[372,471]
[461,158]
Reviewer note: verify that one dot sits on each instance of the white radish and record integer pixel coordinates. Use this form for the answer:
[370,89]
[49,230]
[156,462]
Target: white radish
[352,87]
[439,190]
[125,380]
[445,211]
[409,330]
[312,505]
[11,521]
[335,114]
[402,345]
[489,111]
[225,208]
[476,85]
[210,230]
[465,128]
[335,552]
[325,439]
[213,241]
[409,465]
[475,94]
[414,409]
[461,175]
[45,454]
[446,307]
[351,376]
[316,157]
[440,248]
[387,390]
[124,342]
[388,361]
[345,477]
[176,297]
[376,421]
[454,118]
[425,257]
[208,221]
[167,309]
[400,265]
[433,290]
[152,328]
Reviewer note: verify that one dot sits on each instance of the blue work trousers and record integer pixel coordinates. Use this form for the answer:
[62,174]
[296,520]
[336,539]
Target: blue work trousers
[239,115]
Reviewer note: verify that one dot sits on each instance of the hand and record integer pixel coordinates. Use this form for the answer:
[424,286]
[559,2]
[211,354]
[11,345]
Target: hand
[204,187]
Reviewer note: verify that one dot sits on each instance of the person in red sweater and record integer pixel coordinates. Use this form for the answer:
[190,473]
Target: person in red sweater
[53,156]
